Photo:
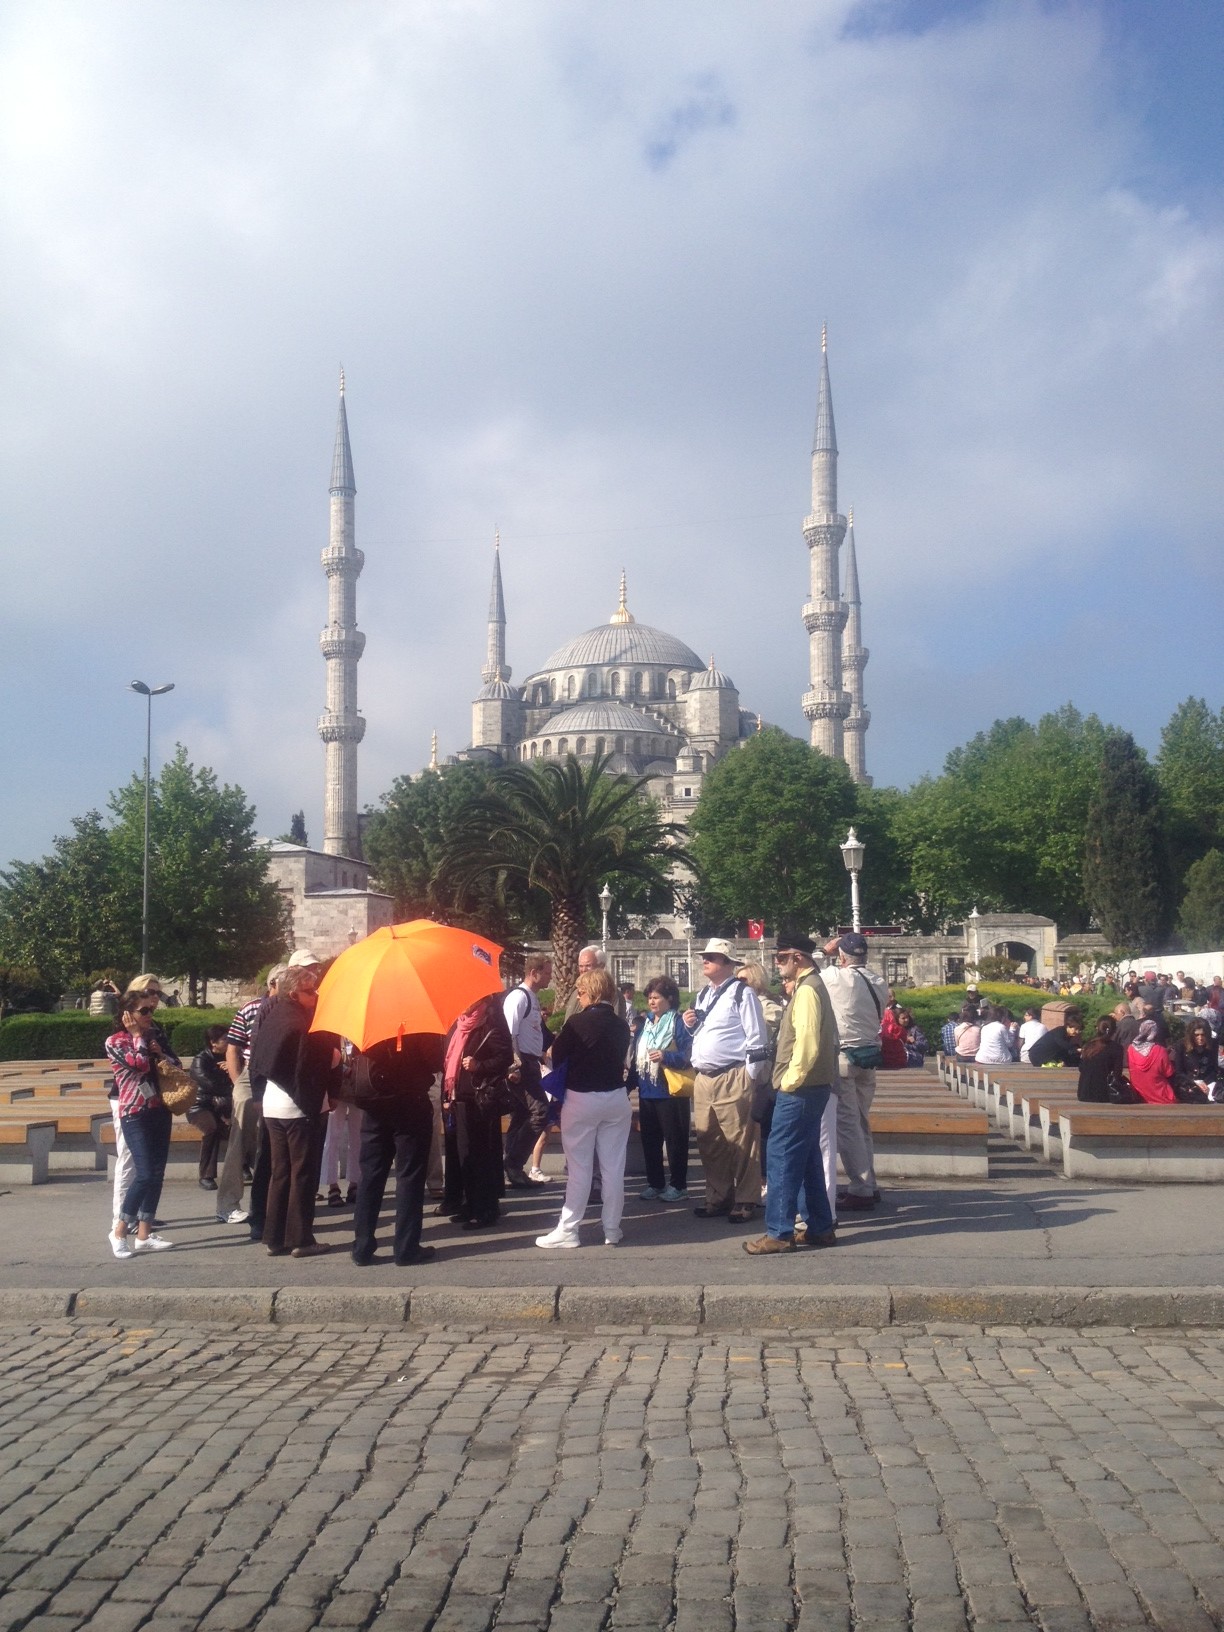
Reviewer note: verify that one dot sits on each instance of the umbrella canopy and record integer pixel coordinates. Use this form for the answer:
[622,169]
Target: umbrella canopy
[418,976]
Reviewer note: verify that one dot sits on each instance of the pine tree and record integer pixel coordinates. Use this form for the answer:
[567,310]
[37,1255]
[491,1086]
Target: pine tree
[1127,877]
[1201,920]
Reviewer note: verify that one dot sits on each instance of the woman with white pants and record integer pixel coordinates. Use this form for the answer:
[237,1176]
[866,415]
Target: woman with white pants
[595,1116]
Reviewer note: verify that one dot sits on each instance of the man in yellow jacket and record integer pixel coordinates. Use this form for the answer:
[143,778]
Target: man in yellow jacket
[804,1072]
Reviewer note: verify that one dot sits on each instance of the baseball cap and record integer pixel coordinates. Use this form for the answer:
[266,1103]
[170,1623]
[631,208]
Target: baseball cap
[717,948]
[302,959]
[854,946]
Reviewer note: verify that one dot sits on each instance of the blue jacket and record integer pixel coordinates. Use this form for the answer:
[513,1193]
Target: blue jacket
[653,1084]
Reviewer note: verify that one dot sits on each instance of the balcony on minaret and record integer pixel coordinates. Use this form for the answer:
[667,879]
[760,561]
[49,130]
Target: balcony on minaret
[822,526]
[855,657]
[336,558]
[341,727]
[337,642]
[822,704]
[824,615]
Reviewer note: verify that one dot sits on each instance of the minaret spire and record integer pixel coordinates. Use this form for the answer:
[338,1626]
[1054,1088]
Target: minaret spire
[825,704]
[854,661]
[495,652]
[340,725]
[622,613]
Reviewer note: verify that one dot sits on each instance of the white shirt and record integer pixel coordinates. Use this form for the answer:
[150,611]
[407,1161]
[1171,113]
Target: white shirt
[859,997]
[1029,1033]
[730,1030]
[522,1010]
[994,1048]
[278,1105]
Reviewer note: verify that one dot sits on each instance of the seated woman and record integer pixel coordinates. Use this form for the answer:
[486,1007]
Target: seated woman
[892,1040]
[1150,1068]
[1061,1044]
[915,1038]
[214,1102]
[995,1047]
[968,1034]
[1102,1062]
[595,1116]
[1196,1065]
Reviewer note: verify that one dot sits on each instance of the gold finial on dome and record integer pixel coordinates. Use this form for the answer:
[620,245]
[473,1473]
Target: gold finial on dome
[622,613]
[711,663]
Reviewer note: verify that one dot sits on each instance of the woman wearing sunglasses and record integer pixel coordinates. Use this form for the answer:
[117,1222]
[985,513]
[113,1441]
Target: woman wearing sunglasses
[144,1121]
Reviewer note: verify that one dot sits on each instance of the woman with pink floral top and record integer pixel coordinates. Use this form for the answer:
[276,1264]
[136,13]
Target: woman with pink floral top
[133,1052]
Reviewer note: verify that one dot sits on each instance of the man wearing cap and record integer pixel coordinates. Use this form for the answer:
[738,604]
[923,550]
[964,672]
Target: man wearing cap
[859,997]
[730,1052]
[803,1076]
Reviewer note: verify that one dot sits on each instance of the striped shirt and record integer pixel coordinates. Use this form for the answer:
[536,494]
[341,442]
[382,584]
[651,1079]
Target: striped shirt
[242,1028]
[135,1073]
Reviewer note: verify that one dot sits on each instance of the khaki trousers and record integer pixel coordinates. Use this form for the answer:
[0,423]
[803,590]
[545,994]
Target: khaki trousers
[728,1140]
[855,1090]
[245,1122]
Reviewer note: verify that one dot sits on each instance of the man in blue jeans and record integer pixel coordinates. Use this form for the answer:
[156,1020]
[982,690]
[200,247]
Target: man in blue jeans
[804,1070]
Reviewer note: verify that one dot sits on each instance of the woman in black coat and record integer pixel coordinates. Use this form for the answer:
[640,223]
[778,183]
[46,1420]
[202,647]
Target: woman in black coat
[1196,1064]
[296,1068]
[1101,1063]
[479,1054]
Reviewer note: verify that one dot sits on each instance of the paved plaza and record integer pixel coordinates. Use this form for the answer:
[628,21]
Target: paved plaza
[450,1481]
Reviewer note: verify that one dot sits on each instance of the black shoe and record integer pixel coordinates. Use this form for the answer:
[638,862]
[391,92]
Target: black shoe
[256,1239]
[856,1204]
[479,1223]
[208,1184]
[350,1196]
[362,1261]
[517,1179]
[711,1212]
[422,1255]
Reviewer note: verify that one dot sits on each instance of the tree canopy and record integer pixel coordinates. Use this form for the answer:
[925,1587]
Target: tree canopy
[1126,863]
[1201,920]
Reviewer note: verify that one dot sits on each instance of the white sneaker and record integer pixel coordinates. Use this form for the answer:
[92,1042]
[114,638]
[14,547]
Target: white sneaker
[537,1175]
[151,1243]
[236,1217]
[650,1194]
[614,1238]
[672,1194]
[119,1245]
[557,1238]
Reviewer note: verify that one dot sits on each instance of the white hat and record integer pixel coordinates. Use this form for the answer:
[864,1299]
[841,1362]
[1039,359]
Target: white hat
[719,949]
[302,959]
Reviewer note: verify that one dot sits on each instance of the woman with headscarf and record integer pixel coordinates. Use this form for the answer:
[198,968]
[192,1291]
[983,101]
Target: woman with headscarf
[1150,1068]
[1196,1064]
[479,1054]
[1102,1062]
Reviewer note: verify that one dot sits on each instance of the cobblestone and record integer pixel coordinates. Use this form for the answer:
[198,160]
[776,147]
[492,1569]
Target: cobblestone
[455,1480]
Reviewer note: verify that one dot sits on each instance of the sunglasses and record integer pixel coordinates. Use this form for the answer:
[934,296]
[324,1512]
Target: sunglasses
[153,1010]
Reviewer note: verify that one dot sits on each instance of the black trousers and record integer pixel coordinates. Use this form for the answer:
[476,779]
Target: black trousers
[401,1132]
[213,1129]
[292,1145]
[473,1162]
[529,1112]
[664,1124]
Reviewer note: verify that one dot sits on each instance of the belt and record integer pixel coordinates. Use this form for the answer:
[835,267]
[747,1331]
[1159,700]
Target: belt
[718,1070]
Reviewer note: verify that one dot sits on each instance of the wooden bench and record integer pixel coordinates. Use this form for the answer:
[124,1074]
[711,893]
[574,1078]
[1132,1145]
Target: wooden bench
[183,1161]
[25,1149]
[1147,1144]
[75,1131]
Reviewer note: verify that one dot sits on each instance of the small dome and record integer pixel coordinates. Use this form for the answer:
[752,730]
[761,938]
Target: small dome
[496,691]
[604,716]
[711,679]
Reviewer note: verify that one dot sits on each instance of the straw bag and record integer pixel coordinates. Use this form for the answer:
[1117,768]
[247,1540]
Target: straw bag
[679,1082]
[177,1088]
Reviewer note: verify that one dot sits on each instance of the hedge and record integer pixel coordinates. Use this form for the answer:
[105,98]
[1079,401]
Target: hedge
[931,1005]
[74,1035]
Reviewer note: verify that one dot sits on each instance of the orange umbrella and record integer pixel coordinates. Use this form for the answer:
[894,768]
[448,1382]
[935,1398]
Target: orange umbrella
[410,977]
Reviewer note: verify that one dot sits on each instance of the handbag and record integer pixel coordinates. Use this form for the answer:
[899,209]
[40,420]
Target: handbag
[553,1082]
[178,1088]
[1121,1092]
[679,1080]
[864,1056]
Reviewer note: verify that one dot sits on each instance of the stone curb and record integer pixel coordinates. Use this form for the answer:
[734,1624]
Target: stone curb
[714,1308]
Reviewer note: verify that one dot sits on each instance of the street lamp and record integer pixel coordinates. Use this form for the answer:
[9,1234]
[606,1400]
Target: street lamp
[147,692]
[605,904]
[688,954]
[852,855]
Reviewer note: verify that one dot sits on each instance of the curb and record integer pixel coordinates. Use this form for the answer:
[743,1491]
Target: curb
[710,1308]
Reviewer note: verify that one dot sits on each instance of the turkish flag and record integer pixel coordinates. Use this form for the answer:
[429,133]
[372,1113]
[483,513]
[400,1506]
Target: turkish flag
[756,929]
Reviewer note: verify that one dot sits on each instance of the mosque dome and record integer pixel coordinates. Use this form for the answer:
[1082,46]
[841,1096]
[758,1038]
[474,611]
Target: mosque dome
[623,640]
[711,679]
[498,690]
[601,715]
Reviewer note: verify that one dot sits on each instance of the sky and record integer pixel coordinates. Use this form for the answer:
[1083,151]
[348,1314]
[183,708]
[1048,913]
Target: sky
[574,259]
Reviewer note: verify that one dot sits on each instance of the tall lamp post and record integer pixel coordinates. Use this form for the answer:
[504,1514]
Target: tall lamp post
[148,693]
[852,855]
[605,906]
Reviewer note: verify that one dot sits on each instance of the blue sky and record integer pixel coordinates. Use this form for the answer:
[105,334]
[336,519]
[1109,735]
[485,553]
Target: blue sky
[575,260]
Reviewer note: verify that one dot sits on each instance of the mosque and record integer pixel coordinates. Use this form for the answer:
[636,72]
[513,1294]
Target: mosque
[623,689]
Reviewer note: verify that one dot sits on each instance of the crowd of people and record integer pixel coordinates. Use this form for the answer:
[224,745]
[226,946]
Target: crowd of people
[775,1090]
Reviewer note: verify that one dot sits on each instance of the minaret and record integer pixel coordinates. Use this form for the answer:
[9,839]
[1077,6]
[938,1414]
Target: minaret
[854,661]
[340,725]
[495,655]
[825,704]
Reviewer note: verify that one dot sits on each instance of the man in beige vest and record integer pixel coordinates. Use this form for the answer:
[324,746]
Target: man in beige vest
[805,1070]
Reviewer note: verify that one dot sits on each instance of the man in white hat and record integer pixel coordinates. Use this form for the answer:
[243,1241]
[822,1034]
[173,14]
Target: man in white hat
[730,1052]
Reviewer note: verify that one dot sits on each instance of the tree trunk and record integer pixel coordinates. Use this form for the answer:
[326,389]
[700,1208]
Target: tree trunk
[193,982]
[568,930]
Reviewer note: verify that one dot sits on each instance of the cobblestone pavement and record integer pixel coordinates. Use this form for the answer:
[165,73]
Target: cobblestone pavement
[454,1480]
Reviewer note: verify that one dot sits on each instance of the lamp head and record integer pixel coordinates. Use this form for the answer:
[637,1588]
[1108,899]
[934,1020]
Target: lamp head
[160,691]
[139,685]
[605,899]
[852,852]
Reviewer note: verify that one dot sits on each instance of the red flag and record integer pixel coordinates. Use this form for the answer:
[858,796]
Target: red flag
[756,929]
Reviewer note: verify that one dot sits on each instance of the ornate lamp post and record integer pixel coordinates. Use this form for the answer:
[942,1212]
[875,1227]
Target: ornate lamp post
[852,854]
[605,904]
[148,693]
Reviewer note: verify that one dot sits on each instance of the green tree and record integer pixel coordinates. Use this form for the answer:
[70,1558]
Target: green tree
[1190,766]
[1201,920]
[1126,861]
[766,830]
[213,911]
[564,828]
[297,830]
[71,912]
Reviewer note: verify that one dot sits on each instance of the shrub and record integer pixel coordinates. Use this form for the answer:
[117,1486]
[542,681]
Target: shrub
[931,1005]
[74,1035]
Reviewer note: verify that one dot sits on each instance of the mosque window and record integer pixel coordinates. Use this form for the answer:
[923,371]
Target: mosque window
[569,685]
[620,745]
[599,746]
[563,746]
[637,684]
[533,750]
[637,746]
[552,691]
[548,750]
[671,691]
[592,684]
[615,685]
[580,746]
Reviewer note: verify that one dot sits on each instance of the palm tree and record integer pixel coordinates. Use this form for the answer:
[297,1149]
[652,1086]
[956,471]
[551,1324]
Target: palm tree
[563,827]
